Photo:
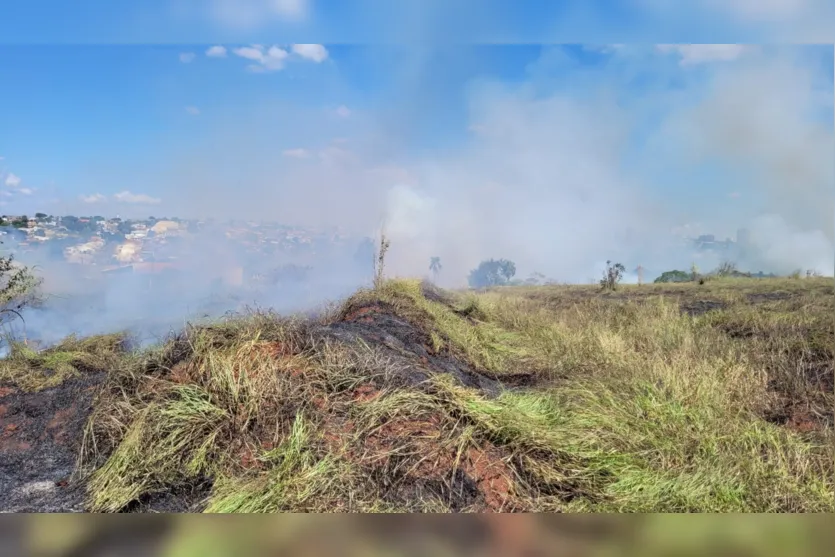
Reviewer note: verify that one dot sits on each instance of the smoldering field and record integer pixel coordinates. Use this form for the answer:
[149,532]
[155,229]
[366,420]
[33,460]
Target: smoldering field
[210,278]
[559,172]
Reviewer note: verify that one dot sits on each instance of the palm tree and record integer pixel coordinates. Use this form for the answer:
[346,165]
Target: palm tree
[435,266]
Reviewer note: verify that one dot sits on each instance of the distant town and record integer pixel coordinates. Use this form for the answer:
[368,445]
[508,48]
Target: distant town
[156,245]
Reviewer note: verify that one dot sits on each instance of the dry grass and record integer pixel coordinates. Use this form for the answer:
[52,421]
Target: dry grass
[714,397]
[34,371]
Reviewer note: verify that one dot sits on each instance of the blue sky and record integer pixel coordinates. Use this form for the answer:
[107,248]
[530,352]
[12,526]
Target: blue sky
[178,107]
[92,119]
[417,21]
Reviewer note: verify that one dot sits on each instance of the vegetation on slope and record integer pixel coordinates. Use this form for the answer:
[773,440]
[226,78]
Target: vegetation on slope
[714,397]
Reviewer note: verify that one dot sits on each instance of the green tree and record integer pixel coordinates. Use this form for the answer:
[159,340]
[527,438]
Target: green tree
[674,276]
[492,272]
[125,227]
[435,267]
[75,224]
[18,287]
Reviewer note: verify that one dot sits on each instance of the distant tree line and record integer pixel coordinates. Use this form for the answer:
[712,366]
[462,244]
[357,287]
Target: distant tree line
[492,272]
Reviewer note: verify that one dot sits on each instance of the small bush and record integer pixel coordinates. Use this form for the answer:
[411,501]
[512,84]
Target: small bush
[612,276]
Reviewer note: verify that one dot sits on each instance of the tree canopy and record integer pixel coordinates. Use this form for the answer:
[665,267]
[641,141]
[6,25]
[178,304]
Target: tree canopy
[493,272]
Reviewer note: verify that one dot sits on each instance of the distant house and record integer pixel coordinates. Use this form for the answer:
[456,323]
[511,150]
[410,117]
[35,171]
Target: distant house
[136,235]
[165,226]
[127,252]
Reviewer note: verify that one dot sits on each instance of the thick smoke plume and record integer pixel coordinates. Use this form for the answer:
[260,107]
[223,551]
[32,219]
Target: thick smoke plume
[559,172]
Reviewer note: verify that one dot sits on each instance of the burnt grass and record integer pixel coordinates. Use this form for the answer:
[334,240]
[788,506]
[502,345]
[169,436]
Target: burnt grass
[377,324]
[40,437]
[43,431]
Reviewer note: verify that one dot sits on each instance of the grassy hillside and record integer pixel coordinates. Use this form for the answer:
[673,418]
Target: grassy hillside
[714,397]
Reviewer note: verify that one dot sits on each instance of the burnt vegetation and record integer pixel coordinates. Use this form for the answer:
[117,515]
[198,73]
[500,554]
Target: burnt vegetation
[406,397]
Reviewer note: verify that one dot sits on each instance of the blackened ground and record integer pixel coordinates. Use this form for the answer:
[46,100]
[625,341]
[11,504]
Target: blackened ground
[181,499]
[405,343]
[41,432]
[40,438]
[700,307]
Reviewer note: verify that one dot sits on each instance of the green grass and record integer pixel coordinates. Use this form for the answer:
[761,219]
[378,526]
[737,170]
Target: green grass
[633,405]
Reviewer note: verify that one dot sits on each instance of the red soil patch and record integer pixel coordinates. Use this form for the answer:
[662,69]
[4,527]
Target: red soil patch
[361,314]
[419,437]
[415,447]
[365,393]
[11,431]
[336,431]
[491,474]
[803,422]
[57,426]
[248,459]
[180,374]
[274,349]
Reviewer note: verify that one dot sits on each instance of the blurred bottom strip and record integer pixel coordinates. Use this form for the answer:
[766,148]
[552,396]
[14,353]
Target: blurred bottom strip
[437,535]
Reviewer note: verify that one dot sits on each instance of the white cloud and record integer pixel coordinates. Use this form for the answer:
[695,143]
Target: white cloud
[186,57]
[313,52]
[274,58]
[26,191]
[193,110]
[691,54]
[254,52]
[12,180]
[138,198]
[296,153]
[343,111]
[216,52]
[93,198]
[271,59]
